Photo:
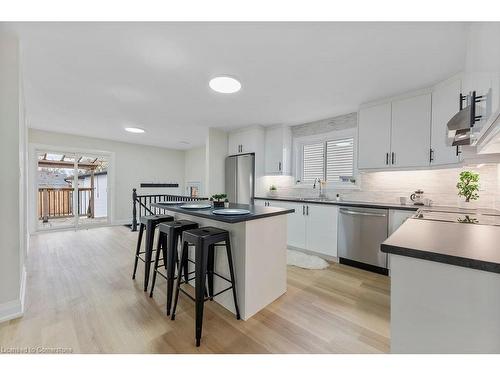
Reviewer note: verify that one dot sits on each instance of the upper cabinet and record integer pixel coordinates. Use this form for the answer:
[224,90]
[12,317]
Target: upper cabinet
[243,141]
[374,136]
[445,104]
[395,134]
[278,152]
[410,129]
[248,140]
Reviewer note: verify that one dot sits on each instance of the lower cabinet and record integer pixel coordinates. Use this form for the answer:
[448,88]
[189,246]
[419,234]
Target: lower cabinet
[321,228]
[311,227]
[296,224]
[397,218]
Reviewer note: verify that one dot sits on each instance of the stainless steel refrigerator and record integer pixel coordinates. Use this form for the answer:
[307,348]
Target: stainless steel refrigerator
[240,178]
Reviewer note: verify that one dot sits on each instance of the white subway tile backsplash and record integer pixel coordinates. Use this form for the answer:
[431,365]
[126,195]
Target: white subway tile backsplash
[437,184]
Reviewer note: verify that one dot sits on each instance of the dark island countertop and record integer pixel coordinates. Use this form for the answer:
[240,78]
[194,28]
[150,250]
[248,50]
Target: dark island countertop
[465,245]
[397,206]
[256,212]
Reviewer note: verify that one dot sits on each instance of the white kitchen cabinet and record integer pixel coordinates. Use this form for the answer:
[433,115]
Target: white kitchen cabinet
[321,228]
[296,223]
[397,218]
[311,227]
[249,140]
[445,104]
[411,126]
[278,152]
[246,140]
[374,136]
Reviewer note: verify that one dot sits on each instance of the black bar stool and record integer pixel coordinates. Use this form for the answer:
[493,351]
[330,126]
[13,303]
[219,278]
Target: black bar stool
[149,223]
[204,240]
[169,235]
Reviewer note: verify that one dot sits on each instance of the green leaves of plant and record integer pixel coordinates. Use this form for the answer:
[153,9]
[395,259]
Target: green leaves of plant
[468,185]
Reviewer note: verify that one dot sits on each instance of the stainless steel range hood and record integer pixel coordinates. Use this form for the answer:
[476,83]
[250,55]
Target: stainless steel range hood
[460,125]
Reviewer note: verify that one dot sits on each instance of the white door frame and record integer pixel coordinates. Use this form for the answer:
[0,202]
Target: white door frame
[34,148]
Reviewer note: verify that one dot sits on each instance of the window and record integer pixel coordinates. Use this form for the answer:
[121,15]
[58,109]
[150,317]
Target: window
[339,159]
[328,159]
[313,161]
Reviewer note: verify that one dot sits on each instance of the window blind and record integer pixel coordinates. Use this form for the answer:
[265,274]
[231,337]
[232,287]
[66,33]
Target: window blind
[313,161]
[339,159]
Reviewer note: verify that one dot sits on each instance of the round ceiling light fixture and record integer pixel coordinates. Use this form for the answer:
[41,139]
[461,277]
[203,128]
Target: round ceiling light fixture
[135,130]
[225,84]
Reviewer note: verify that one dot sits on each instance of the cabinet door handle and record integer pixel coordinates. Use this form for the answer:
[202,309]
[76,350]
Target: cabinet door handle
[458,151]
[307,210]
[431,155]
[386,158]
[279,166]
[393,158]
[303,210]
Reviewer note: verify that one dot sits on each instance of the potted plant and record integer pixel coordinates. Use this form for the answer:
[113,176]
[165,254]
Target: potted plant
[218,200]
[273,190]
[468,186]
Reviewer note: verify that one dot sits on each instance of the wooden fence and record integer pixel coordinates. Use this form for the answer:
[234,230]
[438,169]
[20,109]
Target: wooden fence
[58,202]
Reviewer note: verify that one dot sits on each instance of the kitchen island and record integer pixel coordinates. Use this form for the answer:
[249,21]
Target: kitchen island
[258,242]
[445,286]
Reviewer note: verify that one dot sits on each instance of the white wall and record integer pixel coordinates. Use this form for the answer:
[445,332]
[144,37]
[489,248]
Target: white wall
[194,169]
[131,165]
[101,193]
[483,47]
[12,220]
[216,153]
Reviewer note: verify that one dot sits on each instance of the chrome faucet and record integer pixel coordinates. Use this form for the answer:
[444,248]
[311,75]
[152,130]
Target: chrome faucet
[318,180]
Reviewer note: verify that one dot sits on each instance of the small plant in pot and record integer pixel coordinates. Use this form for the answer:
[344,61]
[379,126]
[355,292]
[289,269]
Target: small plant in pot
[468,186]
[218,200]
[273,190]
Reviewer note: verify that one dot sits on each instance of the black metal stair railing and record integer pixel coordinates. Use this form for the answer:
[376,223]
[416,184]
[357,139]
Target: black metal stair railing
[141,204]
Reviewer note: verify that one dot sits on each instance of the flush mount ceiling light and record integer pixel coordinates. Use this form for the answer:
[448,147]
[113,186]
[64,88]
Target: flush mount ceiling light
[135,130]
[225,84]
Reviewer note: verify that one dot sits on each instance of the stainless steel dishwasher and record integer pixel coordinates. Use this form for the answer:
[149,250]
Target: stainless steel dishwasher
[360,233]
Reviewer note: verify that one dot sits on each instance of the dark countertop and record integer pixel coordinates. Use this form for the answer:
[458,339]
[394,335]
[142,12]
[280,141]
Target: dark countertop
[256,212]
[465,245]
[395,206]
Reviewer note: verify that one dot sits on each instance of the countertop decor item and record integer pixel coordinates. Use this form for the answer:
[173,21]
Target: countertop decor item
[231,211]
[273,191]
[226,203]
[196,206]
[468,185]
[417,197]
[218,200]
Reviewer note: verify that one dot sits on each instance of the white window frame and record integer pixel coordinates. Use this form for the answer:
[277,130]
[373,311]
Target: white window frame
[299,142]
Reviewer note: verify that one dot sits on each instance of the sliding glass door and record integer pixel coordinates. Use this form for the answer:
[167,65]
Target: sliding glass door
[72,189]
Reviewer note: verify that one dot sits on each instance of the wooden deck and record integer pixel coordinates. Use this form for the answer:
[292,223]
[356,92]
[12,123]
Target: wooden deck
[80,296]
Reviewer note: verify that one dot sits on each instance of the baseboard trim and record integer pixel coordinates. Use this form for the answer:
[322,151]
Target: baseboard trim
[122,222]
[14,309]
[22,293]
[11,310]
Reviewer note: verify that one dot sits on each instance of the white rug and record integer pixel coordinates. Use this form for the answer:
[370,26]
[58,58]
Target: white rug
[302,260]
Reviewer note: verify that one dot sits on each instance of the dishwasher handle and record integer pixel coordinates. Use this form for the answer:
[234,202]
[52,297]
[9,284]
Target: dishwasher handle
[349,212]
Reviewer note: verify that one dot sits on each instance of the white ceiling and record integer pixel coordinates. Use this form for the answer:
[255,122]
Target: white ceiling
[94,79]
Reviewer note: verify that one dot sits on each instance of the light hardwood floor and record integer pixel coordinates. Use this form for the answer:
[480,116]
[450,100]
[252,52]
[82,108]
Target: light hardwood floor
[80,295]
